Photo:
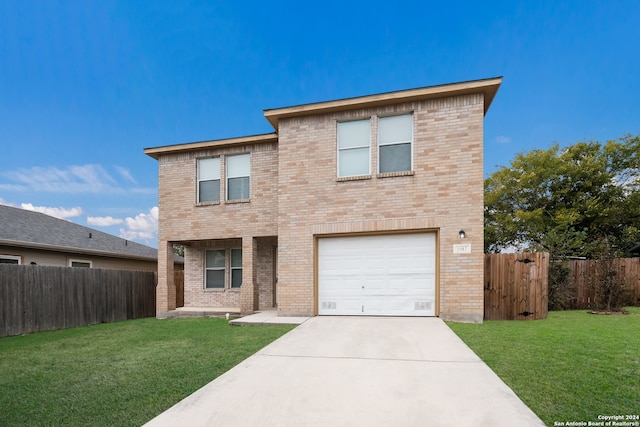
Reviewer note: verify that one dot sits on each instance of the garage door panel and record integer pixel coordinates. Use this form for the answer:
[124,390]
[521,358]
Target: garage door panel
[337,286]
[375,285]
[377,275]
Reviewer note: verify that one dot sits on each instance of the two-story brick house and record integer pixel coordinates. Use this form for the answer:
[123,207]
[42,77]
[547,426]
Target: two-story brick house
[362,206]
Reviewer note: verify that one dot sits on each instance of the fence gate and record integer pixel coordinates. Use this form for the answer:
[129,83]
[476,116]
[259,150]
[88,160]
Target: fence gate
[515,286]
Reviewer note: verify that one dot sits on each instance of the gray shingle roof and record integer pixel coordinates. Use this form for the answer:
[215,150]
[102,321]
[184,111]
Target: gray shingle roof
[25,228]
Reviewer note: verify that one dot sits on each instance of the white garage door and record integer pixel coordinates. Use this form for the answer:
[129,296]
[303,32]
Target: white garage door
[385,275]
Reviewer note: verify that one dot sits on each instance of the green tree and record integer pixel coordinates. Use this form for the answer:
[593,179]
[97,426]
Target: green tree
[178,250]
[562,200]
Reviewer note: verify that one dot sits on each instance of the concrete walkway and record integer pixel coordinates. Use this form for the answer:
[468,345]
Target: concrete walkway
[269,317]
[357,371]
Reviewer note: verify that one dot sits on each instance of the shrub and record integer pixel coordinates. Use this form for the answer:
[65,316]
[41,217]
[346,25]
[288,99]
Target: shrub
[609,287]
[562,290]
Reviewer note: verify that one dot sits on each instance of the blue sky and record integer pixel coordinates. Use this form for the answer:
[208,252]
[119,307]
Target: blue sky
[86,85]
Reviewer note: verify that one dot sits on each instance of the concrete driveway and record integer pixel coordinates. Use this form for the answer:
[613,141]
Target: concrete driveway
[357,371]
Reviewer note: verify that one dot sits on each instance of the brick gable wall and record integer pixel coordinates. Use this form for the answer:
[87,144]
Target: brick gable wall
[445,194]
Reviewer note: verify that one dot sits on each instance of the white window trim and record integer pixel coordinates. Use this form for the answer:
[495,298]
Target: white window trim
[411,142]
[224,269]
[84,261]
[198,180]
[232,268]
[353,148]
[228,270]
[228,177]
[12,257]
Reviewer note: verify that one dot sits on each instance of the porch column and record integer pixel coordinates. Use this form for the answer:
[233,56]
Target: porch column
[166,290]
[248,291]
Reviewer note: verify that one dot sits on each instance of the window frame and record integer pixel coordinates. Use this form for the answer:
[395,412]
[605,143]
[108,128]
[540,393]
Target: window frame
[223,269]
[12,258]
[340,150]
[228,177]
[397,143]
[80,261]
[233,268]
[228,270]
[199,180]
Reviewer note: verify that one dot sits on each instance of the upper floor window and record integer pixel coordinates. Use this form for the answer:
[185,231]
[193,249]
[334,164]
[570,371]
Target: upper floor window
[354,144]
[395,138]
[238,177]
[209,180]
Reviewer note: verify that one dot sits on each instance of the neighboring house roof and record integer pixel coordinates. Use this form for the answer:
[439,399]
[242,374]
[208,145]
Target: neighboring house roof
[28,229]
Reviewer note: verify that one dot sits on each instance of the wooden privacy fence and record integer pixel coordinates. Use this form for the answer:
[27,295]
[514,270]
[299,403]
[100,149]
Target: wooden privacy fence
[39,298]
[515,286]
[584,273]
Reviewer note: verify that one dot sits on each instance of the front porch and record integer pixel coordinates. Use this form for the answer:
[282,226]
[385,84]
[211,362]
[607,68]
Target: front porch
[233,275]
[195,312]
[263,317]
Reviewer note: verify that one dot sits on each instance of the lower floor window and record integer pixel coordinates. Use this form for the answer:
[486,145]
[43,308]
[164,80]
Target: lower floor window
[10,259]
[220,261]
[81,263]
[236,268]
[214,269]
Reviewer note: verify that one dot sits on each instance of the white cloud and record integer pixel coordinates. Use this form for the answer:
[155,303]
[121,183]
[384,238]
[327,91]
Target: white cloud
[503,139]
[61,213]
[125,174]
[75,179]
[12,187]
[4,202]
[143,227]
[103,221]
[83,179]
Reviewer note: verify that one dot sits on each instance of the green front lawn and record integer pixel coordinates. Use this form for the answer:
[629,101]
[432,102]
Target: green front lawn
[117,374]
[572,366]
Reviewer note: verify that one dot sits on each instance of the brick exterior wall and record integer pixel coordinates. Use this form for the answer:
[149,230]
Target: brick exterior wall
[220,225]
[445,193]
[296,198]
[265,273]
[182,219]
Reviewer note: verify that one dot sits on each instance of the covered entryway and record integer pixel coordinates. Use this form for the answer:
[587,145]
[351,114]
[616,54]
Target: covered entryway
[377,275]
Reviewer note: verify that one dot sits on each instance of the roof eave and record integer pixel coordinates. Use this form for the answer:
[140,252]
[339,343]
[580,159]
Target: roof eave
[156,152]
[66,249]
[489,87]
